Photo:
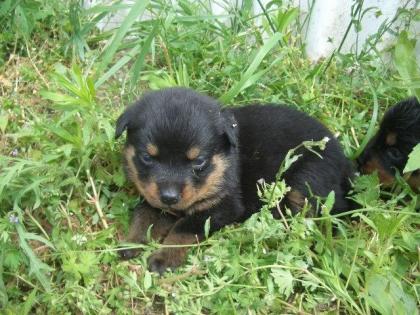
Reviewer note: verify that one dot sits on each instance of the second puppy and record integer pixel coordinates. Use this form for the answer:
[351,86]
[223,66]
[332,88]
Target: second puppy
[387,152]
[192,161]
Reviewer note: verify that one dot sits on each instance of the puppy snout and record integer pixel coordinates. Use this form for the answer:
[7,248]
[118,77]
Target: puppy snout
[169,195]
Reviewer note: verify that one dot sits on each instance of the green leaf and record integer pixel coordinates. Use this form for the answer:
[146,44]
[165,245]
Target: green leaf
[413,162]
[22,22]
[159,82]
[371,129]
[147,281]
[207,228]
[58,98]
[329,203]
[284,19]
[108,129]
[36,237]
[366,188]
[117,66]
[29,303]
[387,296]
[12,259]
[4,119]
[3,293]
[80,265]
[135,13]
[9,174]
[119,177]
[36,266]
[5,7]
[249,73]
[283,278]
[135,70]
[405,61]
[64,134]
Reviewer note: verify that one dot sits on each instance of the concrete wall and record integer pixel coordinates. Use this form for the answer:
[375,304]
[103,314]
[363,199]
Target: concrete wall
[330,20]
[327,25]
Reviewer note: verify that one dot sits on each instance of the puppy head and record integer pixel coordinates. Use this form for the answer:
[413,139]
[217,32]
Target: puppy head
[179,148]
[388,150]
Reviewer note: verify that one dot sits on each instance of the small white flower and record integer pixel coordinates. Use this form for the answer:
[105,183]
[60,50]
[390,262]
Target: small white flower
[13,219]
[79,239]
[260,181]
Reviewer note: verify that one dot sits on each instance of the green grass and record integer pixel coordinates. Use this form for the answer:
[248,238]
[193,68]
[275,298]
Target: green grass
[65,204]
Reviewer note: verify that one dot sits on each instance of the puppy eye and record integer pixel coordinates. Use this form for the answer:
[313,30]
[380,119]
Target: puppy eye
[146,158]
[199,163]
[394,153]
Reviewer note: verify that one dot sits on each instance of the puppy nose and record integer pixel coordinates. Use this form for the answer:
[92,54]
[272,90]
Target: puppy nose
[169,196]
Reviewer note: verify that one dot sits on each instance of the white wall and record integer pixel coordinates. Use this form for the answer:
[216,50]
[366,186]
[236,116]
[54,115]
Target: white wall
[327,24]
[330,20]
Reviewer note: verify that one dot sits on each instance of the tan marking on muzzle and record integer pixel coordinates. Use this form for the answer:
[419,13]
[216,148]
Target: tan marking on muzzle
[204,197]
[193,199]
[148,190]
[373,165]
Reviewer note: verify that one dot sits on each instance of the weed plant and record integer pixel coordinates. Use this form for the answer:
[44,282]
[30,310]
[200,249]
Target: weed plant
[65,204]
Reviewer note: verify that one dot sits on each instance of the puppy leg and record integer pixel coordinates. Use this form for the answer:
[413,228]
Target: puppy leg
[190,230]
[172,257]
[294,200]
[143,217]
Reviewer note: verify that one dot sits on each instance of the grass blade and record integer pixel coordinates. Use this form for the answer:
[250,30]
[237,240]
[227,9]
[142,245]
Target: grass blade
[3,293]
[371,129]
[29,303]
[144,50]
[136,11]
[37,267]
[131,54]
[123,61]
[242,83]
[405,61]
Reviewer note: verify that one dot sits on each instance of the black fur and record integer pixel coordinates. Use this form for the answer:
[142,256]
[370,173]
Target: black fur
[252,141]
[267,133]
[175,120]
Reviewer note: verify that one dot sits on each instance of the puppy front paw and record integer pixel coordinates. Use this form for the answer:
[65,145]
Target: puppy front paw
[166,258]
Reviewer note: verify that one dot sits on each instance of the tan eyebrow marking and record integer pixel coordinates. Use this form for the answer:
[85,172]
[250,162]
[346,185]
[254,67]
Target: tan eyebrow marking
[152,149]
[391,138]
[193,153]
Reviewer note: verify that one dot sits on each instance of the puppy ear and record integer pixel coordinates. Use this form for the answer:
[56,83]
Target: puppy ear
[230,126]
[122,123]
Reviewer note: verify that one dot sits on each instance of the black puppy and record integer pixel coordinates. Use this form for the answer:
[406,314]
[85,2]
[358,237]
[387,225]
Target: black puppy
[192,161]
[387,152]
[182,155]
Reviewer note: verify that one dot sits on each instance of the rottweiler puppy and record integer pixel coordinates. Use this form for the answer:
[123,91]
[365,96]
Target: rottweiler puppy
[387,152]
[192,161]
